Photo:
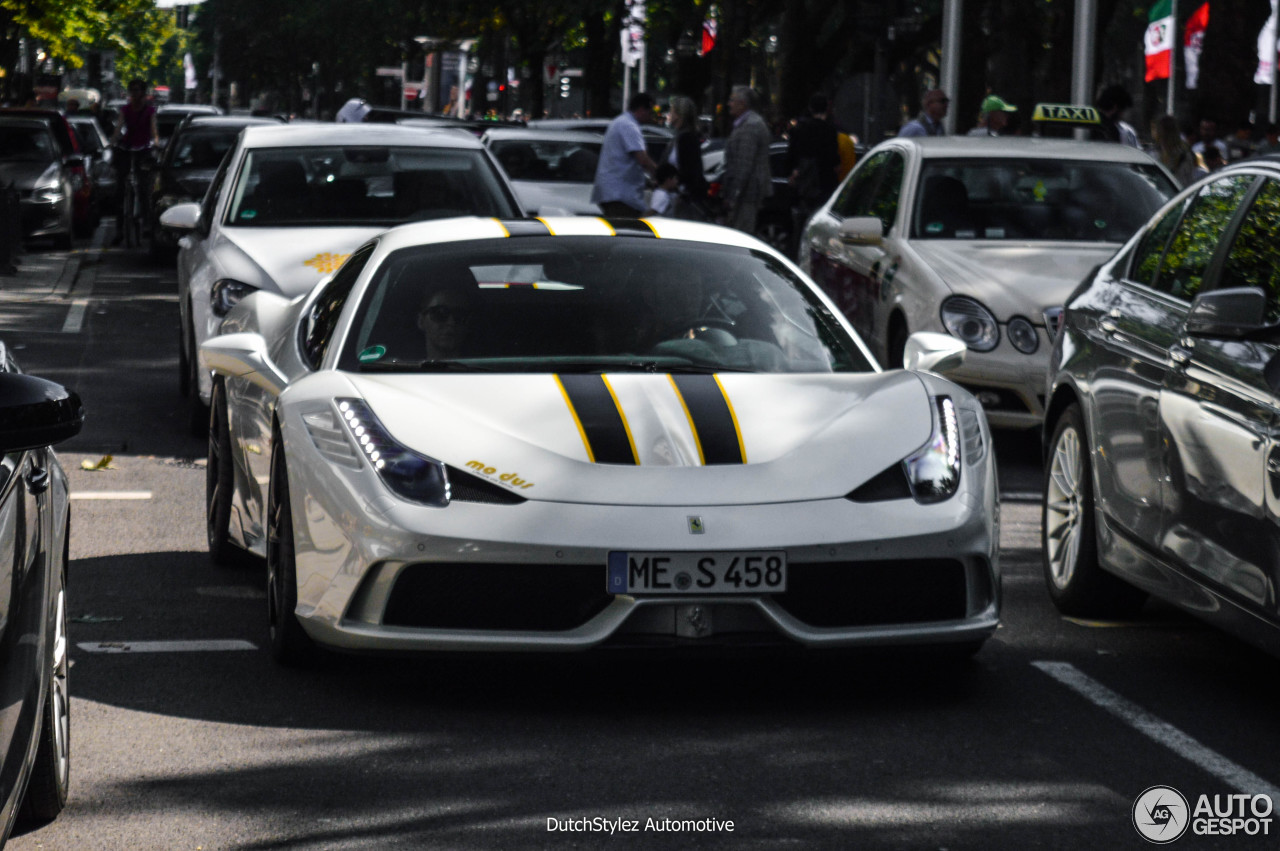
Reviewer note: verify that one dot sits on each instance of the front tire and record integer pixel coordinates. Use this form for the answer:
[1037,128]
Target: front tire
[219,481]
[290,644]
[51,774]
[1077,584]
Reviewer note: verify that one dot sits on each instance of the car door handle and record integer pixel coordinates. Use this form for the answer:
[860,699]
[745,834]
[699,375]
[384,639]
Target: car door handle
[38,480]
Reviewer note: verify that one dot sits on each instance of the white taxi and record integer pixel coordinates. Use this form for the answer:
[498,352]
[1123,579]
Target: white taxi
[980,238]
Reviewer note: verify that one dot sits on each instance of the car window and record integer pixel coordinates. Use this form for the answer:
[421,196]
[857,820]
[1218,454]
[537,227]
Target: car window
[26,144]
[316,330]
[883,201]
[1027,198]
[87,136]
[1198,235]
[1150,249]
[209,206]
[1254,259]
[365,185]
[860,185]
[592,304]
[546,160]
[202,148]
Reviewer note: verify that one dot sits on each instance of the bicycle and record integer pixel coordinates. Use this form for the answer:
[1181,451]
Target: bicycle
[134,209]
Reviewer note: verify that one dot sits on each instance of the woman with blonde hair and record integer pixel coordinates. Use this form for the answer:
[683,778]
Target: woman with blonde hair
[685,153]
[1173,151]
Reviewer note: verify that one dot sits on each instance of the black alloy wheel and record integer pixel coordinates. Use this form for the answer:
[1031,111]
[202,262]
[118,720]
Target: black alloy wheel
[219,482]
[290,644]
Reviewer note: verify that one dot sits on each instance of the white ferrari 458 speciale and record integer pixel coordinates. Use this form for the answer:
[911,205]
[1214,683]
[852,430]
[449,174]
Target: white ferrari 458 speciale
[558,434]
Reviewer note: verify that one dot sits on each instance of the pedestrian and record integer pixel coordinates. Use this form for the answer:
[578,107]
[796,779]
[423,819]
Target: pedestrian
[663,200]
[1240,146]
[624,162]
[747,177]
[1173,151]
[1209,136]
[932,110]
[685,153]
[813,157]
[1112,103]
[993,116]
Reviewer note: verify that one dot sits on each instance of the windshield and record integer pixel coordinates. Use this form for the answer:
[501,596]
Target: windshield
[26,144]
[547,161]
[87,136]
[203,149]
[593,304]
[1037,199]
[364,185]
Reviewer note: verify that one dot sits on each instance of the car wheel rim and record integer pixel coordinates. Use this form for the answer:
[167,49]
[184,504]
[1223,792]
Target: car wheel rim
[59,695]
[1063,516]
[214,483]
[274,573]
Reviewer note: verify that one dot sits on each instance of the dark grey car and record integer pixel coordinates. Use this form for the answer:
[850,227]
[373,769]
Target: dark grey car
[35,747]
[1163,422]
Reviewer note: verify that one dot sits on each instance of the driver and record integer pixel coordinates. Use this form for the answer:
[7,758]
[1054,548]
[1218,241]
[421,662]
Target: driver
[445,319]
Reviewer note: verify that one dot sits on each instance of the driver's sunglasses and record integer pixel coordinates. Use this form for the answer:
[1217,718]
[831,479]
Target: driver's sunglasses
[442,313]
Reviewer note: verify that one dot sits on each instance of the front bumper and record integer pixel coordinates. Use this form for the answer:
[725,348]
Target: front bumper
[531,577]
[1008,383]
[45,218]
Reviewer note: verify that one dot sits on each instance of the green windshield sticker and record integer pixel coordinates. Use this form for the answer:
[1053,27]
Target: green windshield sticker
[1039,192]
[1099,224]
[372,354]
[248,214]
[934,227]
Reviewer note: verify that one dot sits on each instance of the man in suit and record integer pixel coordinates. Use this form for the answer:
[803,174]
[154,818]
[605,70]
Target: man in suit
[747,178]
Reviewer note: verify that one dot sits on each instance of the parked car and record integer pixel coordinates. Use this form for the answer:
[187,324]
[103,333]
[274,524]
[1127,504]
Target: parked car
[95,147]
[31,161]
[550,169]
[656,138]
[977,238]
[563,433]
[290,202]
[170,115]
[72,162]
[1163,457]
[35,726]
[188,165]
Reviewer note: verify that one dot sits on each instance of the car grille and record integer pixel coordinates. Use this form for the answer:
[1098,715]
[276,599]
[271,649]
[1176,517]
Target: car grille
[998,399]
[534,597]
[875,593]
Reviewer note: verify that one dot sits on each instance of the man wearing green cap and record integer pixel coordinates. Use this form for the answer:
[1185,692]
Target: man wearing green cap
[993,116]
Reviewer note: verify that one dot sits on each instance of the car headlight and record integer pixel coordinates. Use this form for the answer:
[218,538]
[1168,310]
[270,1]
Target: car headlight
[48,188]
[415,477]
[971,323]
[226,294]
[1023,335]
[934,472]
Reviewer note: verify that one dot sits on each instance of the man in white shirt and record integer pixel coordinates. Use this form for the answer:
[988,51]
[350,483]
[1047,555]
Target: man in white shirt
[624,162]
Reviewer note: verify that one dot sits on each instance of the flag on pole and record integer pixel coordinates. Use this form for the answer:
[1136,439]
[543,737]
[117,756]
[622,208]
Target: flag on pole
[1193,41]
[1159,40]
[708,36]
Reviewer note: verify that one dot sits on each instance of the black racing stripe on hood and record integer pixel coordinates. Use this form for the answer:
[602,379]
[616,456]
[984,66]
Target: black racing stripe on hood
[632,227]
[712,418]
[601,421]
[526,227]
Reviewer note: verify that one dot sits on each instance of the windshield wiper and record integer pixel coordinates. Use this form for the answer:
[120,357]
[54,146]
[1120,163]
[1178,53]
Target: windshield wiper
[438,365]
[651,366]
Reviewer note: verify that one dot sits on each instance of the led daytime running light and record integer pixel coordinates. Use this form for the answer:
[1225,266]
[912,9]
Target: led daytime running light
[934,471]
[413,476]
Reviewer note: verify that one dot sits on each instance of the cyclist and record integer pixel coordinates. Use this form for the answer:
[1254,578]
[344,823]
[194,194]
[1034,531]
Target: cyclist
[136,137]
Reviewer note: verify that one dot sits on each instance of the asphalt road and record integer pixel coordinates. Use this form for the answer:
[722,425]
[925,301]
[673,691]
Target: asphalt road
[1045,740]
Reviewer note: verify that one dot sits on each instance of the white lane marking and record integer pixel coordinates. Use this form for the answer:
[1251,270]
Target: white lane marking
[111,494]
[1159,731]
[166,646]
[75,316]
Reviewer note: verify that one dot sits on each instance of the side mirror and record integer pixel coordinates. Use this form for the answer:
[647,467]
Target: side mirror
[243,355]
[181,216]
[35,412]
[1229,313]
[861,230]
[934,352]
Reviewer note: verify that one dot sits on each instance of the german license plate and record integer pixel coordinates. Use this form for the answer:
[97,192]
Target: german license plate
[697,572]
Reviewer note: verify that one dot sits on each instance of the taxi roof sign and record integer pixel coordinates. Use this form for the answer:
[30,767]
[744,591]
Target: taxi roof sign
[1066,113]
